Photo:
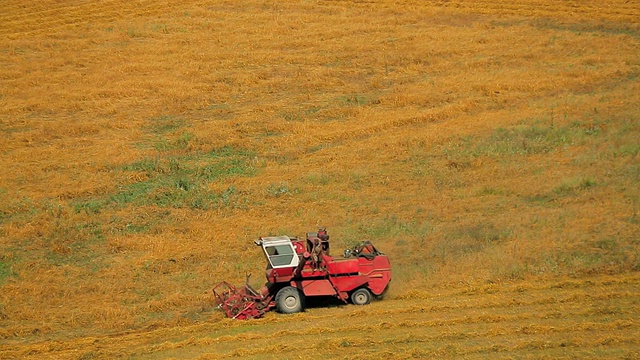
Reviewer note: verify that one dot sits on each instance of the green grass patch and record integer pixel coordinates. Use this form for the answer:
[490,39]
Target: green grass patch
[133,193]
[359,181]
[528,139]
[605,259]
[466,239]
[481,233]
[627,150]
[574,185]
[292,116]
[72,243]
[522,140]
[490,191]
[279,189]
[393,227]
[20,208]
[315,148]
[89,207]
[181,181]
[596,27]
[132,228]
[5,269]
[147,165]
[317,179]
[181,143]
[634,219]
[306,113]
[163,130]
[538,199]
[357,100]
[567,187]
[139,222]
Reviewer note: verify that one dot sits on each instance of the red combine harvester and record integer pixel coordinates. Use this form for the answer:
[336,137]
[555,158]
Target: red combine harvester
[299,268]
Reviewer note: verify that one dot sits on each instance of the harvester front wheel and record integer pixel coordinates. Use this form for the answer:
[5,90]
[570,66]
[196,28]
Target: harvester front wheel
[361,296]
[289,300]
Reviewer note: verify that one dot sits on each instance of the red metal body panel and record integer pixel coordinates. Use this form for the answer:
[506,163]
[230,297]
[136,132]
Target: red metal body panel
[310,272]
[317,287]
[341,266]
[377,271]
[348,283]
[280,275]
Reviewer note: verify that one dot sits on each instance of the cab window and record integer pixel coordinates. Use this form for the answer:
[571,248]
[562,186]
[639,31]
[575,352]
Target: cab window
[280,255]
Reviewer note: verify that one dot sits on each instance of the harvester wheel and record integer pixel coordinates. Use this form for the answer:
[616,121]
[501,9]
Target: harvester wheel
[289,300]
[361,296]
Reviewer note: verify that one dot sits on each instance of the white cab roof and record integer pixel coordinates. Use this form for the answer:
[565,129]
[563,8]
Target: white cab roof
[276,240]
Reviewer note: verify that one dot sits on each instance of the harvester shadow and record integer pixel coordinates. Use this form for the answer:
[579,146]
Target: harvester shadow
[317,302]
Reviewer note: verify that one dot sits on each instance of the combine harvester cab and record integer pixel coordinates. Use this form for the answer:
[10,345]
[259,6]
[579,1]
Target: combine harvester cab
[297,269]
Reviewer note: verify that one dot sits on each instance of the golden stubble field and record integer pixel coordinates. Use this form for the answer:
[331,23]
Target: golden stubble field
[490,148]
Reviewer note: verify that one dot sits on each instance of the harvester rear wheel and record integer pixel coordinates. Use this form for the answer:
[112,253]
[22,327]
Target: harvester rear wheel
[361,296]
[289,300]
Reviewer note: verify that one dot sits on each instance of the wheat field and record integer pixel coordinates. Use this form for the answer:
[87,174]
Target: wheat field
[489,148]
